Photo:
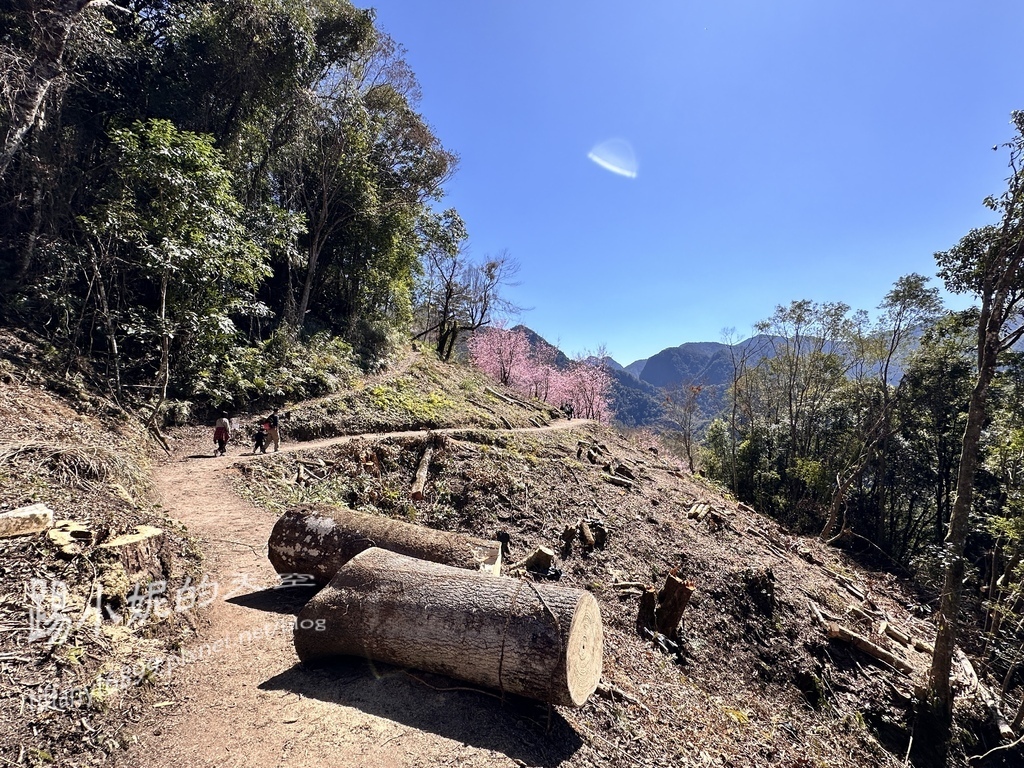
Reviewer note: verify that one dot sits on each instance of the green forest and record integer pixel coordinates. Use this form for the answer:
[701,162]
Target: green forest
[223,202]
[236,202]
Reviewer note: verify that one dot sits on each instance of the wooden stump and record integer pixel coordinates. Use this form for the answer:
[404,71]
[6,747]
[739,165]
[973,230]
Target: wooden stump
[318,540]
[139,552]
[540,641]
[661,611]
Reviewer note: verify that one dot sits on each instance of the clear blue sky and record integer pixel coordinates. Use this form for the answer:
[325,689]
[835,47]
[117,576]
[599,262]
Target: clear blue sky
[785,149]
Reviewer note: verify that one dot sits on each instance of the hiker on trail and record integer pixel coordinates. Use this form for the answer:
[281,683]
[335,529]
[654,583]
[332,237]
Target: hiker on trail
[221,434]
[273,432]
[259,440]
[567,410]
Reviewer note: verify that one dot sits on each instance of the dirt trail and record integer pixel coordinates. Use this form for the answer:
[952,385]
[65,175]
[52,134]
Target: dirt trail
[242,699]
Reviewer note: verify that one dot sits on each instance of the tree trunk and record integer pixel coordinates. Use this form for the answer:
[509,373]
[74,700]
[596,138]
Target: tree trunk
[940,693]
[319,540]
[540,641]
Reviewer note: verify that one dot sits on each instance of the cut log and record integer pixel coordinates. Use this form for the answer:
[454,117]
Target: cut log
[586,535]
[615,480]
[540,641]
[896,634]
[26,520]
[421,472]
[861,643]
[503,398]
[318,540]
[624,471]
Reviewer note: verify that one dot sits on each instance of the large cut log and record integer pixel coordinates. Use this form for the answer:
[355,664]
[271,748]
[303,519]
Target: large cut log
[540,641]
[839,632]
[318,540]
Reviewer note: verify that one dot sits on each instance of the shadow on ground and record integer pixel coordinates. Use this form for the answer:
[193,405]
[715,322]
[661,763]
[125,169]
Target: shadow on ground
[276,599]
[519,728]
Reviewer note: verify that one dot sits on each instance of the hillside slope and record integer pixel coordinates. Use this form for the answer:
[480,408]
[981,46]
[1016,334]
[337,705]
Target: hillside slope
[753,680]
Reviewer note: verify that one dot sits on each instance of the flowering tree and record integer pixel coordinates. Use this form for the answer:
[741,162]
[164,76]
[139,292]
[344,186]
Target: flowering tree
[584,386]
[507,357]
[503,355]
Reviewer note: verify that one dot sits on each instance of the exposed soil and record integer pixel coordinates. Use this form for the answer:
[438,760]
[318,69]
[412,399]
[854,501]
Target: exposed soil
[248,702]
[751,679]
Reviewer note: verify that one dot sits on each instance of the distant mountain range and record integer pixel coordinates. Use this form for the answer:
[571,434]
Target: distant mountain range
[662,377]
[641,390]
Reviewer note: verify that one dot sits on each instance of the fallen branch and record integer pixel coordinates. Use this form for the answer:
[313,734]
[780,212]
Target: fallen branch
[613,692]
[621,482]
[861,643]
[421,472]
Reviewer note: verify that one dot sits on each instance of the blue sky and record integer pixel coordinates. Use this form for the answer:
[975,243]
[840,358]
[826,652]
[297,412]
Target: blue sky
[785,149]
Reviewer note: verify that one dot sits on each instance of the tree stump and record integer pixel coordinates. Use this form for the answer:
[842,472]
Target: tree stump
[318,540]
[540,641]
[662,611]
[539,560]
[139,552]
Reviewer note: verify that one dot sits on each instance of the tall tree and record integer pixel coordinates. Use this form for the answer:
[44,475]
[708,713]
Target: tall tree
[986,263]
[874,385]
[170,231]
[34,61]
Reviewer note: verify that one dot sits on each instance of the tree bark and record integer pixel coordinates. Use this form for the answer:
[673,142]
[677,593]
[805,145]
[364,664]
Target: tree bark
[839,632]
[661,611]
[139,552]
[26,520]
[318,540]
[540,641]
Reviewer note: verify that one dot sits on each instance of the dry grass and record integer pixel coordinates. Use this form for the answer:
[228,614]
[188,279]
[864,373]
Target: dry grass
[80,466]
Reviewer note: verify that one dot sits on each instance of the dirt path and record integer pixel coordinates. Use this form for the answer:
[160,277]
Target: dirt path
[241,699]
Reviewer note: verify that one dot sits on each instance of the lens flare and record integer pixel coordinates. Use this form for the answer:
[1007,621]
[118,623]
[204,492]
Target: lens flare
[615,155]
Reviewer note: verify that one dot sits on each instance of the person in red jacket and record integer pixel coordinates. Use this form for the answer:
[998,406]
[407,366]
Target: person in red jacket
[221,434]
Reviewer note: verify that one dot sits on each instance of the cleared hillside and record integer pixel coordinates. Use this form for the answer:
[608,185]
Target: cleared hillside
[753,680]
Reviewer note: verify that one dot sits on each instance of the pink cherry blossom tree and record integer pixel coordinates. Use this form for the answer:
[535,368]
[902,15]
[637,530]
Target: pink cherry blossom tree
[507,357]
